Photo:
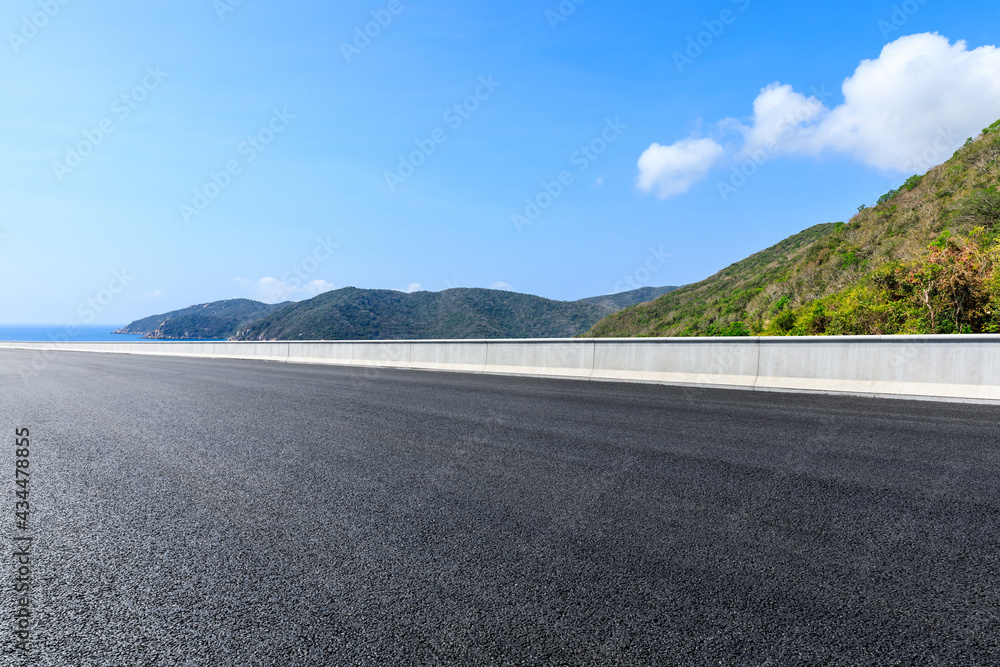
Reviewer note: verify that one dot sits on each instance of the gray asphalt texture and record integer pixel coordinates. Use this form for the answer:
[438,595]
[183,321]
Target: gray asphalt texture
[195,512]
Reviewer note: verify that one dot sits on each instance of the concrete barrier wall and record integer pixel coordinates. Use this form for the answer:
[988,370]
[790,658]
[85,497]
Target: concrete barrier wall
[555,358]
[938,367]
[962,367]
[730,362]
[448,356]
[338,354]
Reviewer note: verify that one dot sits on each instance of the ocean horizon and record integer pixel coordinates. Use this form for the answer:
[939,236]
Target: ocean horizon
[78,333]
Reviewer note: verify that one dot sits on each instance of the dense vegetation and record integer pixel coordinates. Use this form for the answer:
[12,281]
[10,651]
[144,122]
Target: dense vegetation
[625,299]
[206,321]
[924,259]
[357,314]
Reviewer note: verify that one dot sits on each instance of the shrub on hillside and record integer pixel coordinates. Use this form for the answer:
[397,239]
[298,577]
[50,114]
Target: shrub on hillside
[954,288]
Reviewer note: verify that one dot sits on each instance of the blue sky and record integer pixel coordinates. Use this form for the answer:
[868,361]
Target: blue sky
[162,154]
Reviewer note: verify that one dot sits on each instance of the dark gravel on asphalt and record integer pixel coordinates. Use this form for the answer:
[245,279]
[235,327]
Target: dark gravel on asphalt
[195,512]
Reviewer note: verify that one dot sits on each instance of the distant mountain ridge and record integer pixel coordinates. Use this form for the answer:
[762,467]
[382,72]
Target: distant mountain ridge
[359,314]
[625,299]
[205,321]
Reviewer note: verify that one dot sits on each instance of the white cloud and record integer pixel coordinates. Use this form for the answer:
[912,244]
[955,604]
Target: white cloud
[905,111]
[921,90]
[319,286]
[272,290]
[672,170]
[780,116]
[502,285]
[413,287]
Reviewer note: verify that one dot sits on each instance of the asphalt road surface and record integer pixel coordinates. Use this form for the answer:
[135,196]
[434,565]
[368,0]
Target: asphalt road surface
[193,512]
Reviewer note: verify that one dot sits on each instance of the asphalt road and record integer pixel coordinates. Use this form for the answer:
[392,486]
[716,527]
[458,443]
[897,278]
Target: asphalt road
[192,512]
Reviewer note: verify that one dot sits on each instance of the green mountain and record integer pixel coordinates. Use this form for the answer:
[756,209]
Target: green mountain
[925,259]
[357,314]
[206,321]
[625,299]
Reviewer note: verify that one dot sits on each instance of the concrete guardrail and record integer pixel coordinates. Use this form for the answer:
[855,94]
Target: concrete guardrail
[963,368]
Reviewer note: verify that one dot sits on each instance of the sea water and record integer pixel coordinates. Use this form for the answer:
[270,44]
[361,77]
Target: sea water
[90,333]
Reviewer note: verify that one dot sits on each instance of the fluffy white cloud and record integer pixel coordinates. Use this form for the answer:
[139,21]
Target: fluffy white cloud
[316,287]
[780,118]
[413,287]
[914,105]
[905,111]
[272,290]
[672,170]
[502,286]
